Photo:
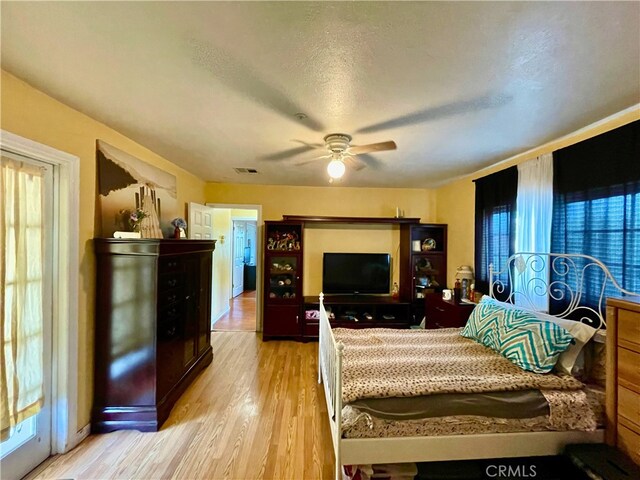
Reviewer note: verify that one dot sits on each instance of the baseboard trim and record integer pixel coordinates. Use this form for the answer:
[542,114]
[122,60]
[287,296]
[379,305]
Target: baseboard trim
[80,436]
[223,313]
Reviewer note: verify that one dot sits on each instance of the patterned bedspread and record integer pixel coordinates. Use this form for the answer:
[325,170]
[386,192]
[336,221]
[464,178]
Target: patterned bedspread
[380,362]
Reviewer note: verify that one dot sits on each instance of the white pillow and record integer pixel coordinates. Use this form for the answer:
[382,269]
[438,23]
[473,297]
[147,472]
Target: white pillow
[579,331]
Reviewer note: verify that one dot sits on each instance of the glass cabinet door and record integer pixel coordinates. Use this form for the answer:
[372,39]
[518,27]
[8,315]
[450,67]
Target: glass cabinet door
[283,277]
[426,270]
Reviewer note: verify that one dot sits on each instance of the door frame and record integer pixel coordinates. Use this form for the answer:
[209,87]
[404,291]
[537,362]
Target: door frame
[66,234]
[259,252]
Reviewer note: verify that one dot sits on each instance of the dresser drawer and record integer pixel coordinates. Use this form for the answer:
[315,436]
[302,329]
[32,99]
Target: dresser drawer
[629,327]
[311,329]
[440,313]
[170,281]
[169,297]
[171,264]
[629,405]
[629,369]
[629,442]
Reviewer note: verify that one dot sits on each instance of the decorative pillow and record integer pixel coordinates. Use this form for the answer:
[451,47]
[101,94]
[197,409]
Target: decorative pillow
[580,332]
[530,343]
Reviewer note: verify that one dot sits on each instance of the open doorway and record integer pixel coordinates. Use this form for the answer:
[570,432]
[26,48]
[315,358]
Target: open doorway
[235,267]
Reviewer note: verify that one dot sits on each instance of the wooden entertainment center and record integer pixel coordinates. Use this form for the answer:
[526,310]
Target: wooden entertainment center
[422,264]
[356,311]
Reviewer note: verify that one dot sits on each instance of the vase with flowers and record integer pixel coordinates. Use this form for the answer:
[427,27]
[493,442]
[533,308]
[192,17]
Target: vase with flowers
[133,218]
[179,225]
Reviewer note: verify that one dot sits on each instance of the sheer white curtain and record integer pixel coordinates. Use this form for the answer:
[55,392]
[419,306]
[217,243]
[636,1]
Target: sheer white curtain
[534,209]
[21,290]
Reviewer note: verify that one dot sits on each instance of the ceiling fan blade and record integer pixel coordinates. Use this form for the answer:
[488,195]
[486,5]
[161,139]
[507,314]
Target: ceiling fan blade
[354,163]
[307,162]
[374,147]
[292,152]
[441,111]
[310,145]
[370,160]
[229,70]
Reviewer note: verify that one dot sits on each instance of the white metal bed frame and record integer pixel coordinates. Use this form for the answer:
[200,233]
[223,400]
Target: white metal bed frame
[352,451]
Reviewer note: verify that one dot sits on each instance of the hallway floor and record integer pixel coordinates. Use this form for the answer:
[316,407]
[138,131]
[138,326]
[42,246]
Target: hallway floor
[241,316]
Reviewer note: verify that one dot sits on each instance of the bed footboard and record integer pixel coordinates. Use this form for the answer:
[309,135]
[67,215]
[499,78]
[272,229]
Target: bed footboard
[330,375]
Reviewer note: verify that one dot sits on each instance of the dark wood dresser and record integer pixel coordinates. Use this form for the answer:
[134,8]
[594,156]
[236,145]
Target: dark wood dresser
[441,313]
[152,332]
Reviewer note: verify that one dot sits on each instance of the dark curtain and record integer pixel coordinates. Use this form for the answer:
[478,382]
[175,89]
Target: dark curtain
[596,208]
[495,224]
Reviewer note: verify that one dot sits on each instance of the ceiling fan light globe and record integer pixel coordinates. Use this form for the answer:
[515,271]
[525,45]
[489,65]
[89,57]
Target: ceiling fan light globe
[336,168]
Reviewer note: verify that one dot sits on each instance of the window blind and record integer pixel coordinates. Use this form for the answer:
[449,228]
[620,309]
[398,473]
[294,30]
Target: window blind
[494,224]
[596,208]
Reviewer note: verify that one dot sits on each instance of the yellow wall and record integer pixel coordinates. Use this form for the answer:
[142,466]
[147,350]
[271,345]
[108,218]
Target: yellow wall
[333,201]
[345,238]
[32,114]
[244,214]
[277,200]
[456,201]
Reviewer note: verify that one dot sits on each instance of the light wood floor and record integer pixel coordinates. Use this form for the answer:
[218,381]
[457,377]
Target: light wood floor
[256,412]
[241,316]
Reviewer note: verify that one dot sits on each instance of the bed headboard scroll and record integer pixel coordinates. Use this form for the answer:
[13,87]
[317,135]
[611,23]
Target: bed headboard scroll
[565,282]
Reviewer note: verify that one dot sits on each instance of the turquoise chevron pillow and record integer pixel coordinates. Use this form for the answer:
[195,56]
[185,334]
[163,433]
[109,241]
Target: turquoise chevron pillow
[530,343]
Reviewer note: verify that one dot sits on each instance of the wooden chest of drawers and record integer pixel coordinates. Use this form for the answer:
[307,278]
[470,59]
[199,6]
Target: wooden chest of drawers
[623,375]
[152,333]
[441,313]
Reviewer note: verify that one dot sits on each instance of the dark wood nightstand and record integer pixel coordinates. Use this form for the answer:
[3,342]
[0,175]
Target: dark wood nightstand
[441,313]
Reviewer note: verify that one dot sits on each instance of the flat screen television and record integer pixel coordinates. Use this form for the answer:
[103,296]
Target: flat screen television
[353,273]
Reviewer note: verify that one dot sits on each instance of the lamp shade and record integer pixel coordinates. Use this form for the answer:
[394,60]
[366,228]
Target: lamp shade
[464,271]
[336,168]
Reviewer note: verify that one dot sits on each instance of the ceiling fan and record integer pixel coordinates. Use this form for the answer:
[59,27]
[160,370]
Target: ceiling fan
[343,154]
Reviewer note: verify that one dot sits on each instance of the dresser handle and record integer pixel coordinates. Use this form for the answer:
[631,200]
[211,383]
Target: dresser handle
[440,309]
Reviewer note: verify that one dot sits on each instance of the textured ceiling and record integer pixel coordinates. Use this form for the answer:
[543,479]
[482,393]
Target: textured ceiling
[215,85]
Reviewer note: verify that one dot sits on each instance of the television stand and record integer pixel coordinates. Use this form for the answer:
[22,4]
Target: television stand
[356,311]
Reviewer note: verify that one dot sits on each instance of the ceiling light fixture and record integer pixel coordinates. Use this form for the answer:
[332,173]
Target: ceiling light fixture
[336,167]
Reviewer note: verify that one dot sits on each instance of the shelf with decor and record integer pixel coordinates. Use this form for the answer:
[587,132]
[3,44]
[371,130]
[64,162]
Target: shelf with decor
[423,263]
[282,299]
